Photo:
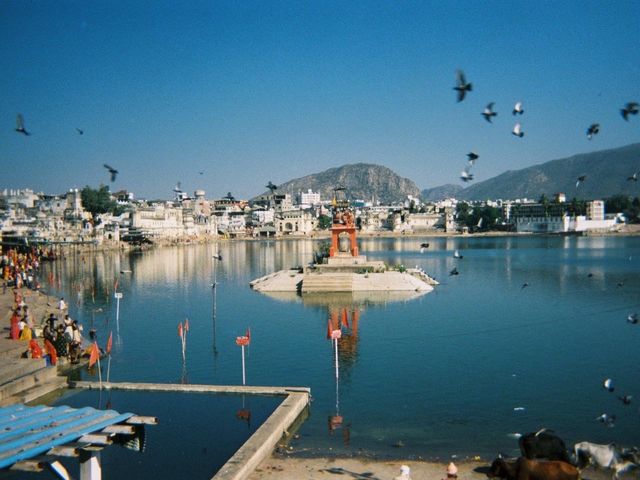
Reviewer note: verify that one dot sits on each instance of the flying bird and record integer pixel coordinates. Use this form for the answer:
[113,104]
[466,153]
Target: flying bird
[608,385]
[488,112]
[517,109]
[517,130]
[112,171]
[466,175]
[630,108]
[454,272]
[456,254]
[626,399]
[633,318]
[424,245]
[472,157]
[633,178]
[462,87]
[201,172]
[580,179]
[218,256]
[593,129]
[608,420]
[80,131]
[524,285]
[20,125]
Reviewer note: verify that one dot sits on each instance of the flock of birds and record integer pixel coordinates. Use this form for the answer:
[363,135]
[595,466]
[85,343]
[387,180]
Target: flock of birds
[463,87]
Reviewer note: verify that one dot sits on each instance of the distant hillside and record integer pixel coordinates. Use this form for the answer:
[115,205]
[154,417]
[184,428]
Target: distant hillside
[606,170]
[440,193]
[361,181]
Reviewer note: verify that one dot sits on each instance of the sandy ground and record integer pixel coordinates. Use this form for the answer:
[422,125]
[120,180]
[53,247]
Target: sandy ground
[358,468]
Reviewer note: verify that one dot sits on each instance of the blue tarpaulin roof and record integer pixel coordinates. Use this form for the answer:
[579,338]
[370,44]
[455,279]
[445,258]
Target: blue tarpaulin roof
[26,432]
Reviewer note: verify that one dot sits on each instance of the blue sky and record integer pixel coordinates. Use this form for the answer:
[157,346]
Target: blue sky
[252,91]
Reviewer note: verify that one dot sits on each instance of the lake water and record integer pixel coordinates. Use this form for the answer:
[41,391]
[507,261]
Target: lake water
[455,372]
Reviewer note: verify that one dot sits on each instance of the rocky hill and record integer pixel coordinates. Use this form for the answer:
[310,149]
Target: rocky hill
[607,173]
[360,180]
[440,193]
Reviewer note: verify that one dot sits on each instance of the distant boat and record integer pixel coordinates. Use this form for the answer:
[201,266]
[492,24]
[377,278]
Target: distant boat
[456,254]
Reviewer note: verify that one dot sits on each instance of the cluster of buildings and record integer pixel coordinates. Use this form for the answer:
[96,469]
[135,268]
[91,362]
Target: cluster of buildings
[37,217]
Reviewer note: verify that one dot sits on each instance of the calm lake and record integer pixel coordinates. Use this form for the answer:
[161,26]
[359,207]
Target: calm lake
[455,372]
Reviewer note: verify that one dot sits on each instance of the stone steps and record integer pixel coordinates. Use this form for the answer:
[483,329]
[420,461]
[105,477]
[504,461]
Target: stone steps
[25,382]
[335,282]
[19,367]
[40,389]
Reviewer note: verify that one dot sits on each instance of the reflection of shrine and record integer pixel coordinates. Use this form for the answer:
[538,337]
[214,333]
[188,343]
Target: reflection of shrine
[346,319]
[342,330]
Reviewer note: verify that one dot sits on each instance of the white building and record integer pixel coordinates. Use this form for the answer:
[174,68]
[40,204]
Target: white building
[295,222]
[310,198]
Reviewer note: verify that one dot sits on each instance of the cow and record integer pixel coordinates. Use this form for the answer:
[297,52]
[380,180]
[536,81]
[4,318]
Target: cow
[543,444]
[525,469]
[603,456]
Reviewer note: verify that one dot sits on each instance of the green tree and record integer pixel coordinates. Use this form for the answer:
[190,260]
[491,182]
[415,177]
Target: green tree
[324,222]
[97,201]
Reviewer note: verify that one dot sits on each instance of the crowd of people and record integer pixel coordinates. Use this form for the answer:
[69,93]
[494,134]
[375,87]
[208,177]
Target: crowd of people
[18,268]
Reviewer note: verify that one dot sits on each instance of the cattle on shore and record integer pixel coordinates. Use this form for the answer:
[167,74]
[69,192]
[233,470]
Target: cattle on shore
[525,469]
[605,457]
[543,444]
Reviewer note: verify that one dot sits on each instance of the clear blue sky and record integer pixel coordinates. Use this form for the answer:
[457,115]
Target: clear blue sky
[252,91]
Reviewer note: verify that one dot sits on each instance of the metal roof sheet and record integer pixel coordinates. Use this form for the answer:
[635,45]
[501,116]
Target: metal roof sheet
[26,432]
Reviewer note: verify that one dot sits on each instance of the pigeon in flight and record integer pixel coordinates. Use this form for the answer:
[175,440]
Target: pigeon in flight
[633,178]
[630,108]
[517,130]
[488,112]
[454,272]
[112,171]
[80,131]
[633,318]
[608,385]
[218,256]
[20,125]
[593,129]
[462,87]
[456,254]
[608,420]
[466,175]
[472,157]
[517,109]
[524,285]
[580,179]
[424,245]
[626,399]
[201,172]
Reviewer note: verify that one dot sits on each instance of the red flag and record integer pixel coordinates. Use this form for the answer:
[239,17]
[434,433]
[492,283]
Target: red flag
[328,329]
[248,335]
[109,343]
[95,354]
[186,325]
[180,329]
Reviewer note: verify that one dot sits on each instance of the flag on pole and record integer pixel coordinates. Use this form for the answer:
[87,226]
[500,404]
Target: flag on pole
[95,354]
[248,335]
[109,343]
[186,325]
[328,329]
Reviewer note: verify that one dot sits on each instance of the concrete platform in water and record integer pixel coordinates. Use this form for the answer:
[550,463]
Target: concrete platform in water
[345,274]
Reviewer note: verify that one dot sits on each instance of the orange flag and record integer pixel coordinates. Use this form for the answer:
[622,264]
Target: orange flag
[109,343]
[186,325]
[180,329]
[248,334]
[328,329]
[95,354]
